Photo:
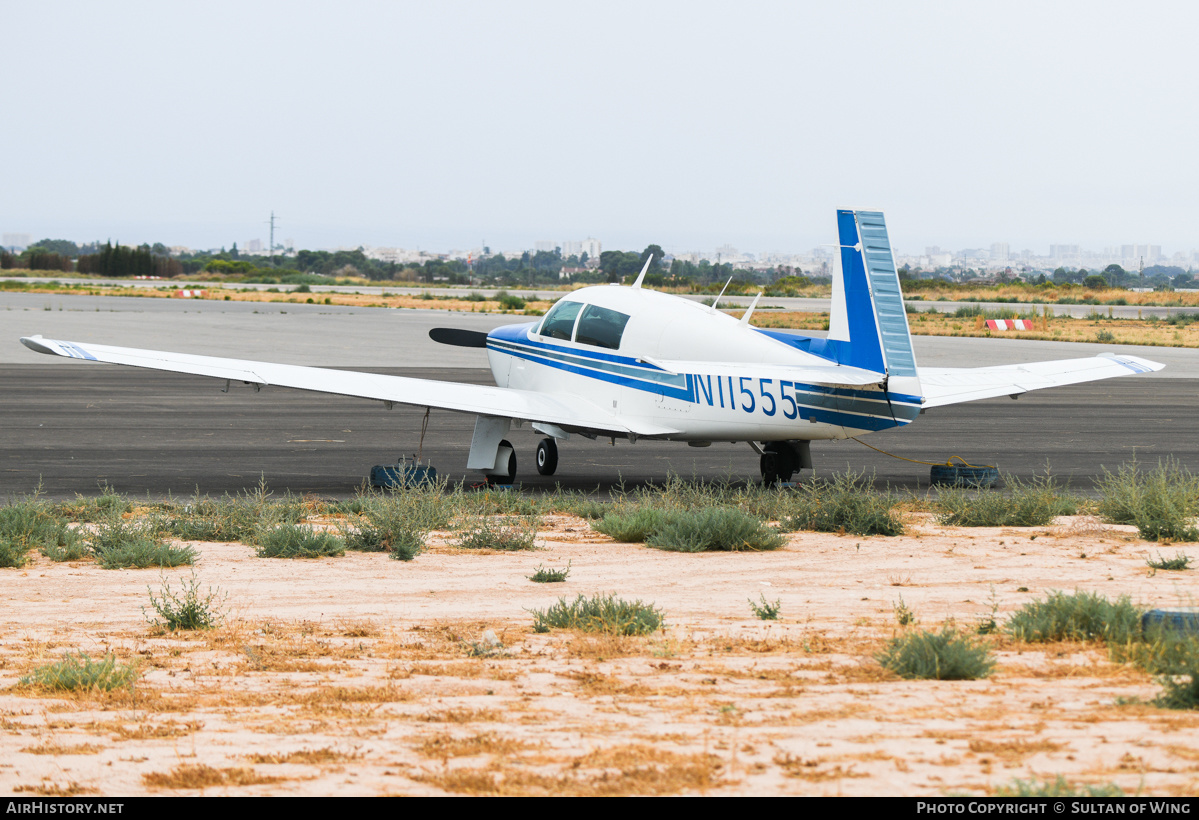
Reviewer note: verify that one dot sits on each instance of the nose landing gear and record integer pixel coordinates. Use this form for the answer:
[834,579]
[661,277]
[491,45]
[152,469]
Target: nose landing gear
[547,456]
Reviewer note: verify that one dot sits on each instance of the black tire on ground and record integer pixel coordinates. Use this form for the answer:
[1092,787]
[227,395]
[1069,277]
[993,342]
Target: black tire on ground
[957,475]
[547,456]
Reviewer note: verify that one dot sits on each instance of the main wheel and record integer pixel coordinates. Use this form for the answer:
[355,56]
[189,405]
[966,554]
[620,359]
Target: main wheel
[509,476]
[547,456]
[778,463]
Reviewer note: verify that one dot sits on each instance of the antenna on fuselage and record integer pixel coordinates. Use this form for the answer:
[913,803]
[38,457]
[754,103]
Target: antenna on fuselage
[750,312]
[722,290]
[644,268]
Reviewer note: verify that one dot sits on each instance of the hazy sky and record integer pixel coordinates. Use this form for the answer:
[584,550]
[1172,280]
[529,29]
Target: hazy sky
[442,124]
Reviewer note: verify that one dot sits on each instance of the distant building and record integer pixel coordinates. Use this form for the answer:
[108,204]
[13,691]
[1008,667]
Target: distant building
[16,241]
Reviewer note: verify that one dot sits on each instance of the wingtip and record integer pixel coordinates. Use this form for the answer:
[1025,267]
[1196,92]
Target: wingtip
[35,343]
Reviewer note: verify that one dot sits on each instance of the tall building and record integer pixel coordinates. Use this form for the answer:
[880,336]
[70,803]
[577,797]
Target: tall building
[16,241]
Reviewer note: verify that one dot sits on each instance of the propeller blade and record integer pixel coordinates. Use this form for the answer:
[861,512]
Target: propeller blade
[458,337]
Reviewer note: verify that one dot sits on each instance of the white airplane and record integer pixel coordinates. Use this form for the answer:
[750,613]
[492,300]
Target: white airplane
[627,362]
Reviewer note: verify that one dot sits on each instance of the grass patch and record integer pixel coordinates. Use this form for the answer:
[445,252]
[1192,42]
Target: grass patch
[1058,787]
[1031,504]
[1179,691]
[944,655]
[30,523]
[298,541]
[1162,503]
[199,776]
[715,530]
[1178,562]
[186,610]
[848,503]
[720,529]
[632,526]
[90,510]
[766,610]
[1159,650]
[398,521]
[506,534]
[120,543]
[1082,616]
[80,672]
[600,613]
[548,575]
[233,518]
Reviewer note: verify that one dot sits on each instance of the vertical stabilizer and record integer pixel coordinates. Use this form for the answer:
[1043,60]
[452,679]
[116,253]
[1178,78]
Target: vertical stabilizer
[868,325]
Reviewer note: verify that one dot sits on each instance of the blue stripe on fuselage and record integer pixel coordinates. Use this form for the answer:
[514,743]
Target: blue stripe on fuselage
[853,408]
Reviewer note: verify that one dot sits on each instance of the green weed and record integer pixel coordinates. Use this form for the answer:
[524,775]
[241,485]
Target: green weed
[714,530]
[1031,504]
[548,575]
[600,613]
[1179,691]
[1161,503]
[1179,561]
[1058,787]
[944,655]
[30,523]
[119,543]
[849,503]
[79,671]
[297,541]
[903,614]
[632,526]
[1082,616]
[766,610]
[492,533]
[92,509]
[187,610]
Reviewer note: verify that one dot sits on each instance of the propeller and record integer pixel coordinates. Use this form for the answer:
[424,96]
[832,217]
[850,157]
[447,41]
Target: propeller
[458,337]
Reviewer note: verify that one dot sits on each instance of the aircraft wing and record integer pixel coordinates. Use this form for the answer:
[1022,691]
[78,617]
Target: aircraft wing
[564,410]
[953,385]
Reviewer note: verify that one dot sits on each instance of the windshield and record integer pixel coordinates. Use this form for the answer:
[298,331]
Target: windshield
[559,323]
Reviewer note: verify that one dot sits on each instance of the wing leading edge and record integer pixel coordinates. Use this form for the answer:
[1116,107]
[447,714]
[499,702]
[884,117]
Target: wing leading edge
[567,411]
[953,385]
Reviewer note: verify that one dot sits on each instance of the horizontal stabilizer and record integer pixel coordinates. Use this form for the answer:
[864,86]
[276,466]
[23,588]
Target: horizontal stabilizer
[953,385]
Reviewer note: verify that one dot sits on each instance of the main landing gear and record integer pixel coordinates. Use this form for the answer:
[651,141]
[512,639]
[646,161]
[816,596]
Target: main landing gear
[547,461]
[505,459]
[782,459]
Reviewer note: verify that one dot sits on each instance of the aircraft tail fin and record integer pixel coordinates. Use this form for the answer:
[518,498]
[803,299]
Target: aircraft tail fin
[868,325]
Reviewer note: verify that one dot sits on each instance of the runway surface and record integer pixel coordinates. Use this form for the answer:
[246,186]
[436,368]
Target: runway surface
[74,426]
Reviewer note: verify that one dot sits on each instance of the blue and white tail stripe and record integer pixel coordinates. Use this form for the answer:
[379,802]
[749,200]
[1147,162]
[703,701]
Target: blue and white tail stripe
[877,323]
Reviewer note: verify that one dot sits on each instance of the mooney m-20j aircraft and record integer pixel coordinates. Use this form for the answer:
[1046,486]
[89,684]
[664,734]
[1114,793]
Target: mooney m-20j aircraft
[627,362]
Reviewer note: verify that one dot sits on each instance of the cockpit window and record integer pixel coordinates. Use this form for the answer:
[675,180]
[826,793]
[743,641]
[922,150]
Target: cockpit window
[559,323]
[601,327]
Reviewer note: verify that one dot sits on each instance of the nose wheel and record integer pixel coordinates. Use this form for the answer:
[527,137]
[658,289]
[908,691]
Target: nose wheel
[547,456]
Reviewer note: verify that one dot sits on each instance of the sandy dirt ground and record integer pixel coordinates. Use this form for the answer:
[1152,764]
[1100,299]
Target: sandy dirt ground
[363,675]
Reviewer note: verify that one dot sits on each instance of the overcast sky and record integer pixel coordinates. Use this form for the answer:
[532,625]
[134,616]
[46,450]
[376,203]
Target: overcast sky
[691,124]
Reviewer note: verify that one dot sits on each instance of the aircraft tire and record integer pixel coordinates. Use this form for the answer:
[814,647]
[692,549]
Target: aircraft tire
[509,476]
[778,463]
[771,466]
[547,456]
